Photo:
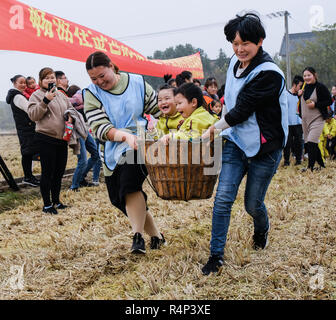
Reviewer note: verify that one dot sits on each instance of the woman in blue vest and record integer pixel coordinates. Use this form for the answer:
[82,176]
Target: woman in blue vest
[256,129]
[114,105]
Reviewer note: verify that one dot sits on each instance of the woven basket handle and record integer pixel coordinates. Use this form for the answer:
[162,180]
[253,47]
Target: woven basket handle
[149,182]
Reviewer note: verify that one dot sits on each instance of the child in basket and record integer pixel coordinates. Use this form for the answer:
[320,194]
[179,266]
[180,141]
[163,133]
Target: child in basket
[189,103]
[170,119]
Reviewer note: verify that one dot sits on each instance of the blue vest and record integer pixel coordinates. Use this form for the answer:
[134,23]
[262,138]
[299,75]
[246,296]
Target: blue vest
[293,117]
[125,112]
[247,135]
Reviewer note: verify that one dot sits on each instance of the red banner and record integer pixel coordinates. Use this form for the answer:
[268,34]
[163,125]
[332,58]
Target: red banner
[24,28]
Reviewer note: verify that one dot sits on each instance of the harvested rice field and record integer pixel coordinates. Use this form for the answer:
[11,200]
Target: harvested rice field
[10,153]
[83,253]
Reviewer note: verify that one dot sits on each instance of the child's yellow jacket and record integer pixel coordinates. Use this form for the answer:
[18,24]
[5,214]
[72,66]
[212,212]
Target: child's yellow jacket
[194,126]
[328,129]
[165,124]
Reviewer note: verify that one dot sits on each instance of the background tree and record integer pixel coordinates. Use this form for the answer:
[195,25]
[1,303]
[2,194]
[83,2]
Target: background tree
[212,68]
[320,54]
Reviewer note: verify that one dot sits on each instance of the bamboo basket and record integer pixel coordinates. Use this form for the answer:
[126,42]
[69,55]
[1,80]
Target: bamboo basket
[177,170]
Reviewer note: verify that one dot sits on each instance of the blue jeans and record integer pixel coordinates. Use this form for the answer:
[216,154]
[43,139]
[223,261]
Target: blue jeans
[94,162]
[259,171]
[83,165]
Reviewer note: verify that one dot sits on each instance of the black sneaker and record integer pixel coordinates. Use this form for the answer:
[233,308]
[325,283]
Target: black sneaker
[60,206]
[138,246]
[32,181]
[213,265]
[50,210]
[260,240]
[156,242]
[74,189]
[35,180]
[84,183]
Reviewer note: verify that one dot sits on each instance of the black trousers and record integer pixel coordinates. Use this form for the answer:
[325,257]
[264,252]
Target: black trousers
[29,149]
[294,143]
[314,155]
[331,144]
[27,162]
[53,162]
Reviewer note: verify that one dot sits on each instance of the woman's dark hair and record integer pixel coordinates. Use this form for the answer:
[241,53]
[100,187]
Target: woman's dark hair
[72,90]
[248,26]
[182,77]
[197,81]
[190,91]
[15,78]
[98,59]
[311,70]
[45,72]
[209,82]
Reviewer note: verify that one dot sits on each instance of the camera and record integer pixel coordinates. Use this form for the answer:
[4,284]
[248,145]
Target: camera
[51,86]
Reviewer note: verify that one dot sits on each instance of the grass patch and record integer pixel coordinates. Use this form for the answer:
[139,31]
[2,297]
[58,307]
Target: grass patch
[10,199]
[83,253]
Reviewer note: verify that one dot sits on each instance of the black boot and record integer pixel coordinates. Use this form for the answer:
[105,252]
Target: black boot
[311,155]
[318,156]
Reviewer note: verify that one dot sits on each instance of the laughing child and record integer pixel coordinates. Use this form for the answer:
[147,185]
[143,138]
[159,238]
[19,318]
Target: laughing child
[171,119]
[189,103]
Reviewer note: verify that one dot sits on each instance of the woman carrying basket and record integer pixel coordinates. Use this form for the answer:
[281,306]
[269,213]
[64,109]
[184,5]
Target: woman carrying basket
[256,129]
[114,105]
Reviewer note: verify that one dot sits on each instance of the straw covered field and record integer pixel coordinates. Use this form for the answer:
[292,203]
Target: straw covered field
[83,253]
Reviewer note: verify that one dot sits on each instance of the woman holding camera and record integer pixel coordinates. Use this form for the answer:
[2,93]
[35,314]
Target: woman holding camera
[47,107]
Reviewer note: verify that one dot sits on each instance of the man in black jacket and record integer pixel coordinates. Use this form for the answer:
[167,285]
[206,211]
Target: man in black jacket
[62,82]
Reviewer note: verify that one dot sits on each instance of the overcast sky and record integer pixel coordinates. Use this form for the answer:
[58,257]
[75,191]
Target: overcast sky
[121,18]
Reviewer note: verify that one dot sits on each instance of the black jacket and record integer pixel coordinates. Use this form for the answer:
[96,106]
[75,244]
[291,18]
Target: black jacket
[22,121]
[24,126]
[261,96]
[324,100]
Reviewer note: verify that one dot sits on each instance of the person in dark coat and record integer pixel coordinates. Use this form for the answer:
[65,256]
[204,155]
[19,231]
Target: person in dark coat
[25,128]
[315,100]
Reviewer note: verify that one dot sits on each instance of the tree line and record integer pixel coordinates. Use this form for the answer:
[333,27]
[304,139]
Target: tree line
[212,68]
[319,54]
